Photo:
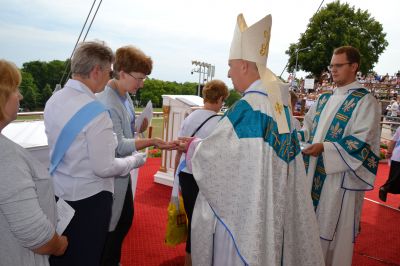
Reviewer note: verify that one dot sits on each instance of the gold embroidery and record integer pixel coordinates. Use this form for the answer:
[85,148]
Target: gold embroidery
[314,196]
[348,105]
[317,183]
[276,142]
[335,130]
[342,117]
[372,162]
[358,94]
[364,153]
[278,108]
[263,50]
[323,100]
[352,144]
[321,170]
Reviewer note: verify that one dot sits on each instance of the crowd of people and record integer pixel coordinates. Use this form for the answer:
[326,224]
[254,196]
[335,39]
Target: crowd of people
[257,191]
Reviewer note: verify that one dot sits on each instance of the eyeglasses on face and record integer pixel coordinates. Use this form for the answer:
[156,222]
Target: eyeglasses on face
[138,79]
[332,66]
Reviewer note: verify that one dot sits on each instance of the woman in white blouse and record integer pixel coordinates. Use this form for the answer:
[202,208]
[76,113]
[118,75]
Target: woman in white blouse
[84,178]
[199,123]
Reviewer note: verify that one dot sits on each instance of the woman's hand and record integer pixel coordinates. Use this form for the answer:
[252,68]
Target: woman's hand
[183,143]
[164,145]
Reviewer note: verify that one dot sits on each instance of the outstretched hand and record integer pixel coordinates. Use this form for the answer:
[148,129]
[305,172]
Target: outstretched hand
[183,143]
[164,145]
[314,149]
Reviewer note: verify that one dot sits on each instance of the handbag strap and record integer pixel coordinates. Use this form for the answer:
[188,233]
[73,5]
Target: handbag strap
[202,124]
[71,129]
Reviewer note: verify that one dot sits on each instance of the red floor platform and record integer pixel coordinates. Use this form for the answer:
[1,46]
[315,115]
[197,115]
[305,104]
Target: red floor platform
[378,243]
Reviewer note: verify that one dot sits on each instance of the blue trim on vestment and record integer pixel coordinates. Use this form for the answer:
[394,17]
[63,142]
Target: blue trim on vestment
[354,172]
[249,123]
[259,92]
[231,235]
[361,151]
[71,129]
[322,100]
[287,114]
[337,222]
[334,134]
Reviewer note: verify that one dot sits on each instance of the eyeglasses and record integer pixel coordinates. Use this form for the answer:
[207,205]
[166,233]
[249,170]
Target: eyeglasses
[138,79]
[330,67]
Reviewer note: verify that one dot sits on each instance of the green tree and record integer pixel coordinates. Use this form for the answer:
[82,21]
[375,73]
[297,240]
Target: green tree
[29,91]
[153,90]
[46,93]
[46,73]
[233,97]
[333,26]
[38,70]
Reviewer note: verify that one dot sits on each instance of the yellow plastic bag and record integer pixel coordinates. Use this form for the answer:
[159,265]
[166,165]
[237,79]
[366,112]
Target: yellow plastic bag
[177,223]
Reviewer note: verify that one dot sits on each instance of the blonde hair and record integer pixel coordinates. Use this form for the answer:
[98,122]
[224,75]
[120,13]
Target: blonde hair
[131,59]
[213,90]
[10,79]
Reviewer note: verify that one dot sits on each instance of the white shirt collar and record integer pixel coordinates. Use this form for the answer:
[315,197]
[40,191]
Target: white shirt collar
[79,86]
[345,89]
[256,85]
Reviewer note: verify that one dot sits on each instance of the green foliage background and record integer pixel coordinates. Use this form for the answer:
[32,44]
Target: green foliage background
[40,78]
[333,26]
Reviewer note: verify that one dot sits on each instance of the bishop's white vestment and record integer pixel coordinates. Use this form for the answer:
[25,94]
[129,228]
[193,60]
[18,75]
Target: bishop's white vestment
[253,207]
[347,123]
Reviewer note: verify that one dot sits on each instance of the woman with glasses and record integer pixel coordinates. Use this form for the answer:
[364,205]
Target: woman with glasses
[130,70]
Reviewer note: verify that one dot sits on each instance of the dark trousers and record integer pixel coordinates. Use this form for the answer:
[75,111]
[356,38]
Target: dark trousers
[392,184]
[87,231]
[189,190]
[112,249]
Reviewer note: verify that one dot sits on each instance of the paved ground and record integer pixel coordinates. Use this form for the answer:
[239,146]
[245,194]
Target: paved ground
[386,131]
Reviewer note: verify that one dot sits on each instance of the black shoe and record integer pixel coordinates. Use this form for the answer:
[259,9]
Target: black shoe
[382,194]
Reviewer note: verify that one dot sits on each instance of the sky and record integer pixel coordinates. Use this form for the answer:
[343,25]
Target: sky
[173,32]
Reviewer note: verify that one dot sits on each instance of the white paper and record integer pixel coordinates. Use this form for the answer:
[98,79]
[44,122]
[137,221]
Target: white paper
[134,178]
[304,145]
[65,214]
[135,172]
[147,113]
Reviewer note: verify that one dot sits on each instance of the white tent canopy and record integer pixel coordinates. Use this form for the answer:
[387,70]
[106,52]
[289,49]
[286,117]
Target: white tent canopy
[30,135]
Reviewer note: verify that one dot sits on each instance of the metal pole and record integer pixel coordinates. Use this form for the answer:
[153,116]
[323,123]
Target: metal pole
[295,68]
[198,88]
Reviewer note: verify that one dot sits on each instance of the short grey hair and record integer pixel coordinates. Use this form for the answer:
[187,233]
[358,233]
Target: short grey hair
[88,55]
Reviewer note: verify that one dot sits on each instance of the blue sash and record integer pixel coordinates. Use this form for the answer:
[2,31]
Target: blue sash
[71,129]
[334,134]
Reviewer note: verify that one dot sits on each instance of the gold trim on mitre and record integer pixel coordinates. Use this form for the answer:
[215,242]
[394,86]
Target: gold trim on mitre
[252,44]
[278,96]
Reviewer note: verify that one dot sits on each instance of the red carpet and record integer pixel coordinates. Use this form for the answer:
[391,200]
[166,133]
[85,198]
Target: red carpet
[378,243]
[144,244]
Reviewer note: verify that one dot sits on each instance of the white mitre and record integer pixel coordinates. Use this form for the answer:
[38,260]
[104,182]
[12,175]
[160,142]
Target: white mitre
[252,44]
